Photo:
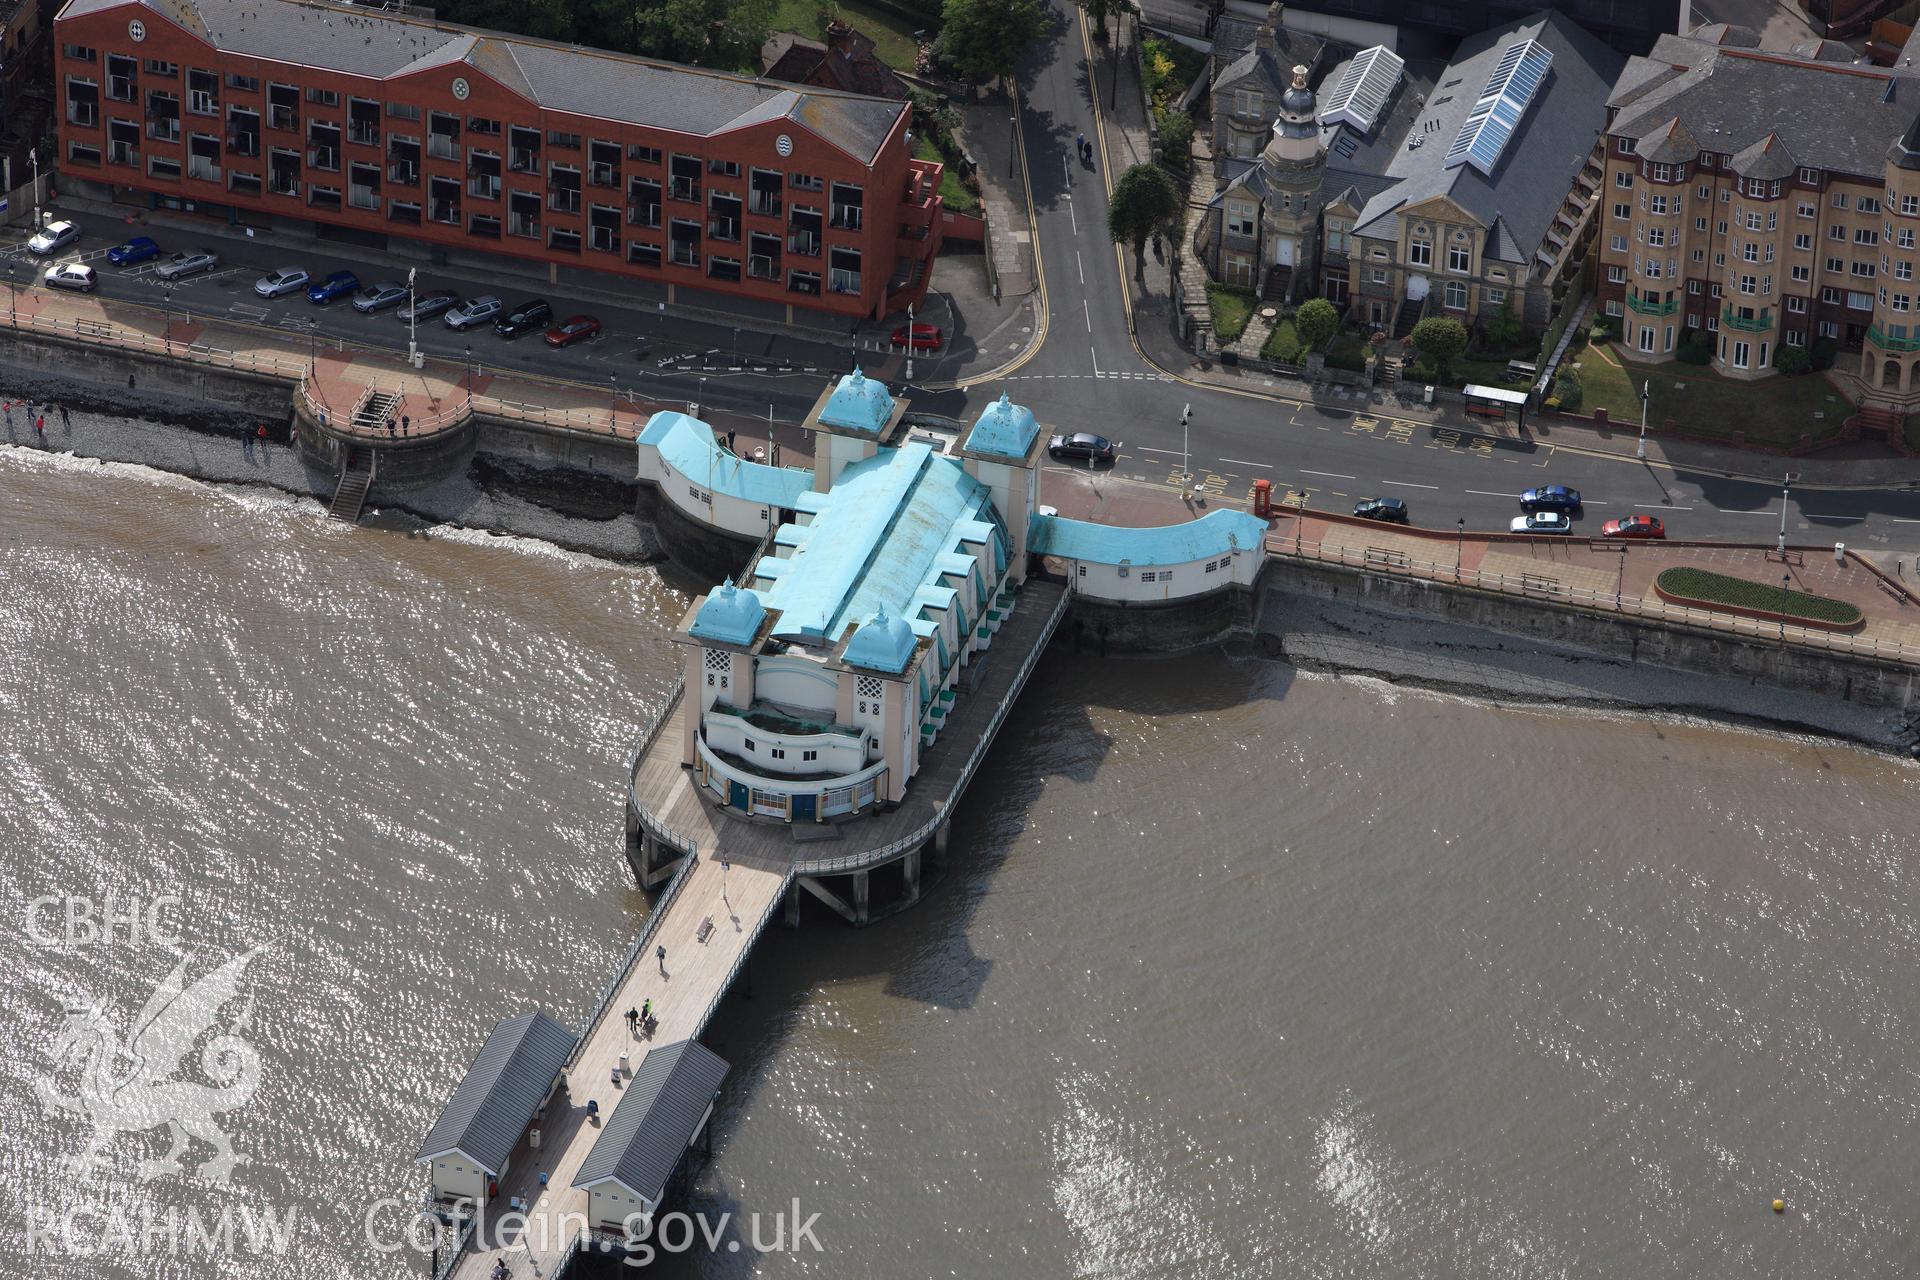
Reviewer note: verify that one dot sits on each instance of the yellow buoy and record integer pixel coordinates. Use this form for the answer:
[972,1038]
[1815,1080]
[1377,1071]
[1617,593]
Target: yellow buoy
[1779,1206]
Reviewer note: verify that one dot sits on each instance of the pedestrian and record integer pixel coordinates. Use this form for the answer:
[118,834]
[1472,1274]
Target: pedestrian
[40,427]
[391,427]
[729,442]
[661,952]
[246,444]
[9,412]
[66,422]
[406,424]
[646,1010]
[633,1022]
[1080,143]
[616,1077]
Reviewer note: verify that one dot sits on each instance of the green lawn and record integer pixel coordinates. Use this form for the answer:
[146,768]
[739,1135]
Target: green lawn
[1349,351]
[1231,308]
[1718,588]
[1283,344]
[952,190]
[1775,410]
[1488,373]
[892,35]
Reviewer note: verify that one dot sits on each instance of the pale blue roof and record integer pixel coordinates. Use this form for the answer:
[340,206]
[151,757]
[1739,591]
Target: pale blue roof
[687,445]
[1213,534]
[859,403]
[891,525]
[884,643]
[730,615]
[1005,428]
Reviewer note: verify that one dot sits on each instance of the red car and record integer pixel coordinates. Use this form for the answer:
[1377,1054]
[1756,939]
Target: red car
[1634,527]
[574,330]
[926,337]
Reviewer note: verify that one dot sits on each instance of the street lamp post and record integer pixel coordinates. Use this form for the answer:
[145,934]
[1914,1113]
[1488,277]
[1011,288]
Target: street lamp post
[909,342]
[13,316]
[1646,392]
[1786,587]
[466,365]
[1459,545]
[413,332]
[1786,492]
[1186,412]
[33,154]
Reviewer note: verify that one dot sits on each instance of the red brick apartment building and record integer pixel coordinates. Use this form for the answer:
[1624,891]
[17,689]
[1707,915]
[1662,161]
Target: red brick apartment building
[387,128]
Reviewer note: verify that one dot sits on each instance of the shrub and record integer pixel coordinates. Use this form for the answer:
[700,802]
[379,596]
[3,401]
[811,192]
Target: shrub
[1793,361]
[1316,322]
[1718,588]
[1823,353]
[1440,340]
[1567,389]
[1696,347]
[1176,140]
[1504,328]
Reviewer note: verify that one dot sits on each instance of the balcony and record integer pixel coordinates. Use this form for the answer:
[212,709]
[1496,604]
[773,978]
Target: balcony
[645,216]
[523,160]
[684,255]
[243,144]
[605,239]
[202,169]
[164,130]
[363,198]
[1747,324]
[1646,307]
[366,135]
[1879,339]
[442,147]
[324,158]
[847,217]
[123,153]
[603,175]
[683,189]
[122,89]
[520,224]
[723,229]
[404,172]
[484,187]
[282,185]
[565,200]
[804,244]
[82,114]
[283,118]
[764,203]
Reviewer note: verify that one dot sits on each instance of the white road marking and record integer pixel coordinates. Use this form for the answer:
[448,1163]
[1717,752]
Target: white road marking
[1170,452]
[1488,493]
[1899,520]
[1242,462]
[1335,475]
[1658,506]
[1087,311]
[1079,266]
[1731,511]
[1408,484]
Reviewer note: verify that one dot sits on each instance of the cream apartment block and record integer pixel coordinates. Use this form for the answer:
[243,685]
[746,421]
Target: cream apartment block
[1770,199]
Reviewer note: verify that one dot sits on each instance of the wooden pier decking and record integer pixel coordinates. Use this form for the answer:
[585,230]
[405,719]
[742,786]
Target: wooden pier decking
[739,900]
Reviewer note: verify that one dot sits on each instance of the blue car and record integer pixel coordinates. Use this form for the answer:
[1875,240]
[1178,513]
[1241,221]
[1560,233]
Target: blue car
[137,250]
[340,284]
[1551,497]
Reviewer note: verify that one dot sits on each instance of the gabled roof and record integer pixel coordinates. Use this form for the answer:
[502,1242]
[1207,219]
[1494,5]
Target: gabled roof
[586,82]
[1824,115]
[503,1086]
[658,1114]
[1548,144]
[1673,143]
[1767,158]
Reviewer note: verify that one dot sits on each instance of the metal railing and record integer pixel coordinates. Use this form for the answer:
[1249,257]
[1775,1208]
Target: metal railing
[886,853]
[1538,588]
[740,960]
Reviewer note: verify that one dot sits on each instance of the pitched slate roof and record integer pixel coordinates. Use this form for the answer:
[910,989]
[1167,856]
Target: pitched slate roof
[1823,115]
[497,1097]
[1548,147]
[658,1114]
[586,82]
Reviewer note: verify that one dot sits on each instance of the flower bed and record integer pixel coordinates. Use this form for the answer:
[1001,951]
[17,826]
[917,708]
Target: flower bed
[1704,589]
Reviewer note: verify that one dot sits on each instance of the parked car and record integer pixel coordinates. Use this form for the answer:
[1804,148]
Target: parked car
[54,236]
[190,262]
[1634,527]
[277,284]
[71,275]
[1391,510]
[340,284]
[1081,446]
[133,252]
[428,305]
[532,314]
[378,297]
[471,312]
[1542,522]
[576,329]
[1551,497]
[925,337]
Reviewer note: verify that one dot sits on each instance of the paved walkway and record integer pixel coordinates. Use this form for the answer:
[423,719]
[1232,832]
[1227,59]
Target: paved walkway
[986,133]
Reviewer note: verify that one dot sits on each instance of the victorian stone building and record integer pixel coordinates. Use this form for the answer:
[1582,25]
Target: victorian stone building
[1251,74]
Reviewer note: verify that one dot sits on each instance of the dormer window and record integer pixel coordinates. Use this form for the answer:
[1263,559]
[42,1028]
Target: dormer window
[1247,102]
[1626,145]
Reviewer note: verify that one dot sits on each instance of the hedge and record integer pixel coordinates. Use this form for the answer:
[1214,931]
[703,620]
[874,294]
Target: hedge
[1718,588]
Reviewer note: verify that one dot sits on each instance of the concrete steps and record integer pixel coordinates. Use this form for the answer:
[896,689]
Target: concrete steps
[350,497]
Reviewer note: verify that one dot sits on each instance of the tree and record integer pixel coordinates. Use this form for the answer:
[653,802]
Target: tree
[1101,10]
[1145,201]
[1504,328]
[1315,322]
[1793,361]
[985,38]
[1176,140]
[1567,388]
[1440,341]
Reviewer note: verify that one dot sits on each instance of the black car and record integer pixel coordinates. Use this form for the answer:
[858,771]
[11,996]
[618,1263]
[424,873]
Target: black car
[525,318]
[1391,510]
[1081,446]
[1551,497]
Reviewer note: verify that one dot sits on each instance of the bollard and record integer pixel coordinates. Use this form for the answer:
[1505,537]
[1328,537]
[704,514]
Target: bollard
[1840,553]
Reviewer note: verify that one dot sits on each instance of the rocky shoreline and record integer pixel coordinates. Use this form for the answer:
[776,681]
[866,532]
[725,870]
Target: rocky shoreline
[219,444]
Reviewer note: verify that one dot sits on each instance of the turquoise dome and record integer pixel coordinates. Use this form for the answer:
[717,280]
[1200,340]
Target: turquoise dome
[1005,428]
[730,615]
[882,644]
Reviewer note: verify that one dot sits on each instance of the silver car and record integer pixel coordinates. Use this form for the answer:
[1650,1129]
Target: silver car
[1542,522]
[190,263]
[52,237]
[378,297]
[472,312]
[428,305]
[71,275]
[278,284]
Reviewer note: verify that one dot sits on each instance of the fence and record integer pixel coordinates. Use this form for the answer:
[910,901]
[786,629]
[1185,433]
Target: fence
[106,333]
[1399,564]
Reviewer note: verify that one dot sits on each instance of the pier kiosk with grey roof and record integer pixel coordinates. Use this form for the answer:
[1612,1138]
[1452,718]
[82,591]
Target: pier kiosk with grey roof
[509,1082]
[641,1157]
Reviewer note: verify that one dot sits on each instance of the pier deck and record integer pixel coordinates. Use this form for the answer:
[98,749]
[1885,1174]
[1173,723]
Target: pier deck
[739,901]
